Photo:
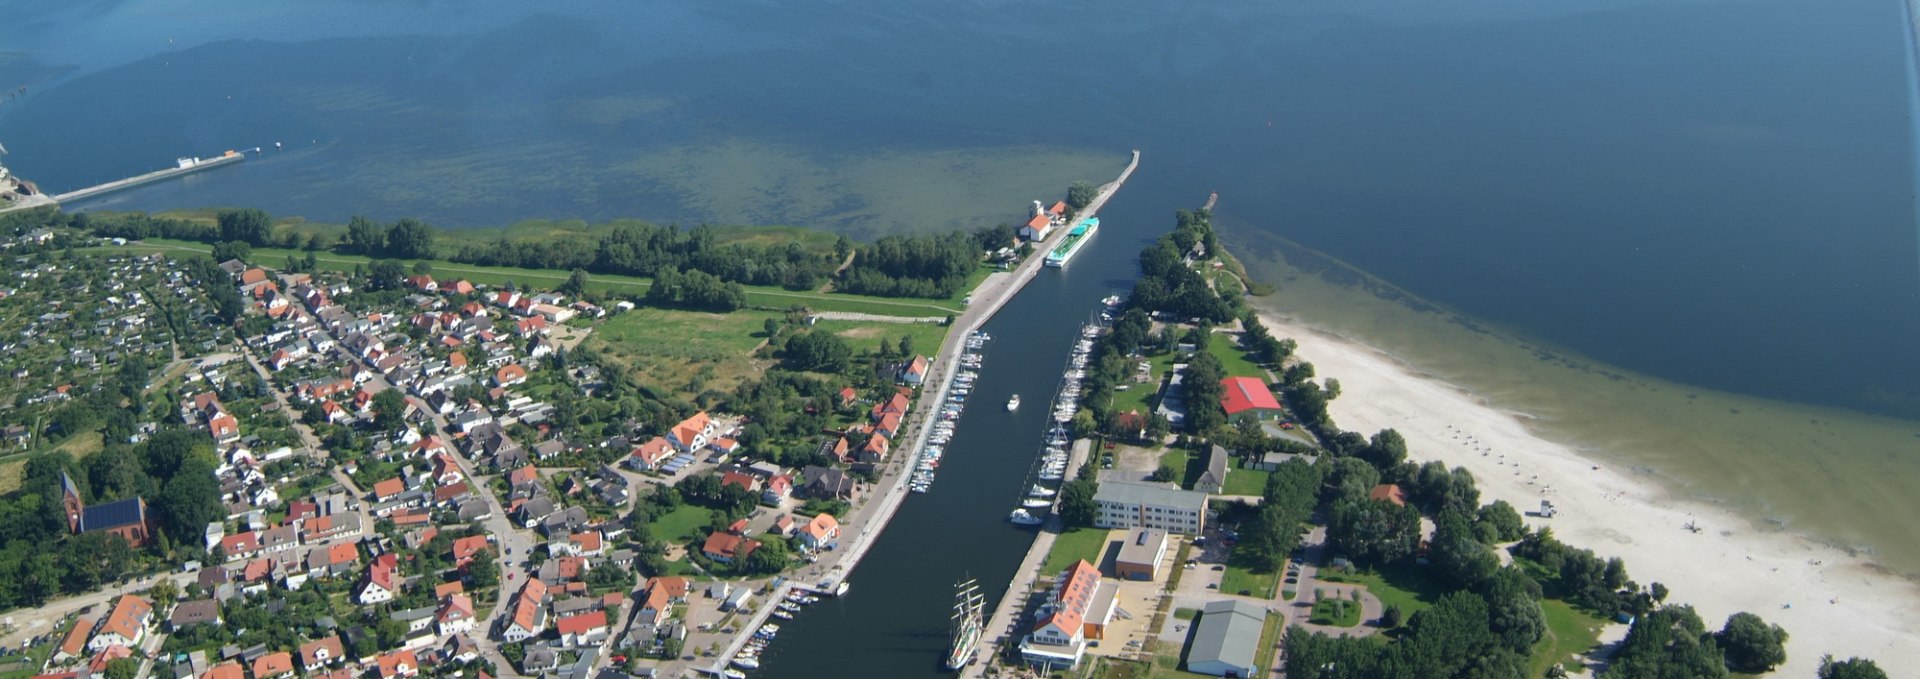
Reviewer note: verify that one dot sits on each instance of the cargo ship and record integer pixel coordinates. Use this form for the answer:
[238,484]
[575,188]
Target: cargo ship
[967,624]
[1076,239]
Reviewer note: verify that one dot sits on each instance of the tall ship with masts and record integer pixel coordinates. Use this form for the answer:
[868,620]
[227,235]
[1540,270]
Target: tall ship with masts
[968,626]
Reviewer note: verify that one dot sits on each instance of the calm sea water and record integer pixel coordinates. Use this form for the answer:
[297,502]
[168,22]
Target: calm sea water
[1715,193]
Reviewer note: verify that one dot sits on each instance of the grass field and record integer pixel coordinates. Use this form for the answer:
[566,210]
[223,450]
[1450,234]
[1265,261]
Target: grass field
[1233,361]
[679,525]
[1141,395]
[1239,580]
[865,337]
[1243,481]
[682,350]
[1411,589]
[1570,632]
[1074,545]
[1338,613]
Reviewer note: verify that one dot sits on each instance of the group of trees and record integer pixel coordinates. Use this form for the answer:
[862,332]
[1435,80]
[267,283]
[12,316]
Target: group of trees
[933,266]
[172,470]
[404,239]
[695,290]
[1291,493]
[648,250]
[816,351]
[1168,285]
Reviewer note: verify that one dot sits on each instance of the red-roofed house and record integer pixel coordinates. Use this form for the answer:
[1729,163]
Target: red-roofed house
[1036,228]
[273,665]
[126,625]
[583,629]
[691,434]
[823,532]
[529,613]
[779,488]
[465,549]
[1244,397]
[455,615]
[748,482]
[382,580]
[727,548]
[915,371]
[650,456]
[509,375]
[398,665]
[1069,618]
[225,670]
[321,652]
[1388,492]
[388,489]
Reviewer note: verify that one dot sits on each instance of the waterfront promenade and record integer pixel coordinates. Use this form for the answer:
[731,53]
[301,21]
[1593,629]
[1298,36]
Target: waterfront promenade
[1003,626]
[863,526]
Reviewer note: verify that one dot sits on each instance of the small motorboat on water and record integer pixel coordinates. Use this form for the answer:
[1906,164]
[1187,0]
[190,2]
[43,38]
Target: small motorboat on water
[1013,403]
[746,661]
[734,674]
[1022,517]
[783,615]
[1040,491]
[1037,503]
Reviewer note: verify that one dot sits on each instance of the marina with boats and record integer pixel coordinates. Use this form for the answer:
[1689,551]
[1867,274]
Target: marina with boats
[1052,465]
[927,460]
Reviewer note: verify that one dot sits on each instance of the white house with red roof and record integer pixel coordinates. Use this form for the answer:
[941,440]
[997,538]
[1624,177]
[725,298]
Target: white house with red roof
[1247,397]
[382,581]
[582,630]
[651,456]
[822,532]
[691,434]
[455,615]
[1078,609]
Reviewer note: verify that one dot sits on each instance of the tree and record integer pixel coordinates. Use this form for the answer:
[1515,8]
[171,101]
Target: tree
[1391,616]
[189,501]
[1165,473]
[1668,642]
[365,237]
[410,239]
[1499,522]
[122,668]
[1851,668]
[164,593]
[422,268]
[386,274]
[233,249]
[388,407]
[771,327]
[1080,194]
[1751,645]
[226,301]
[1077,508]
[250,225]
[817,351]
[576,284]
[906,345]
[1457,554]
[1373,531]
[484,570]
[671,647]
[1513,609]
[770,558]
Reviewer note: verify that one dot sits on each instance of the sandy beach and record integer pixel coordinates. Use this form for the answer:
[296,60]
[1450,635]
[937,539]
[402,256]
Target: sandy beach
[1829,602]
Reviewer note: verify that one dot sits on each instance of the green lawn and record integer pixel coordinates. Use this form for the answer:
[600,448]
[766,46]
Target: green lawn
[1269,643]
[1408,587]
[757,295]
[865,336]
[681,524]
[1243,481]
[1235,362]
[680,350]
[1239,580]
[1185,613]
[1141,396]
[1325,613]
[1074,545]
[1569,632]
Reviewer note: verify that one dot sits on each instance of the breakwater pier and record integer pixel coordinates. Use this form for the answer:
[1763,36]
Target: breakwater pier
[183,166]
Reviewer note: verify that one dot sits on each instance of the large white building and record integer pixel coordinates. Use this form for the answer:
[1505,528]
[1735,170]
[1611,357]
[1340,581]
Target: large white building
[1078,610]
[1122,504]
[1227,640]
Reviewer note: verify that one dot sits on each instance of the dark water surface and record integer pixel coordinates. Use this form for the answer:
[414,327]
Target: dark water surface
[1715,193]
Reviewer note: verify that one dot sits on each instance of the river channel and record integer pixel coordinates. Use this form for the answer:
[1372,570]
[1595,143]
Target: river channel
[893,622]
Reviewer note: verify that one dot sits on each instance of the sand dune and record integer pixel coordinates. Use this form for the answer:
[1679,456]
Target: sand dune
[1828,601]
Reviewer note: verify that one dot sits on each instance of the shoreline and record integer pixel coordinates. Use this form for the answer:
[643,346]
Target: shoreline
[1828,600]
